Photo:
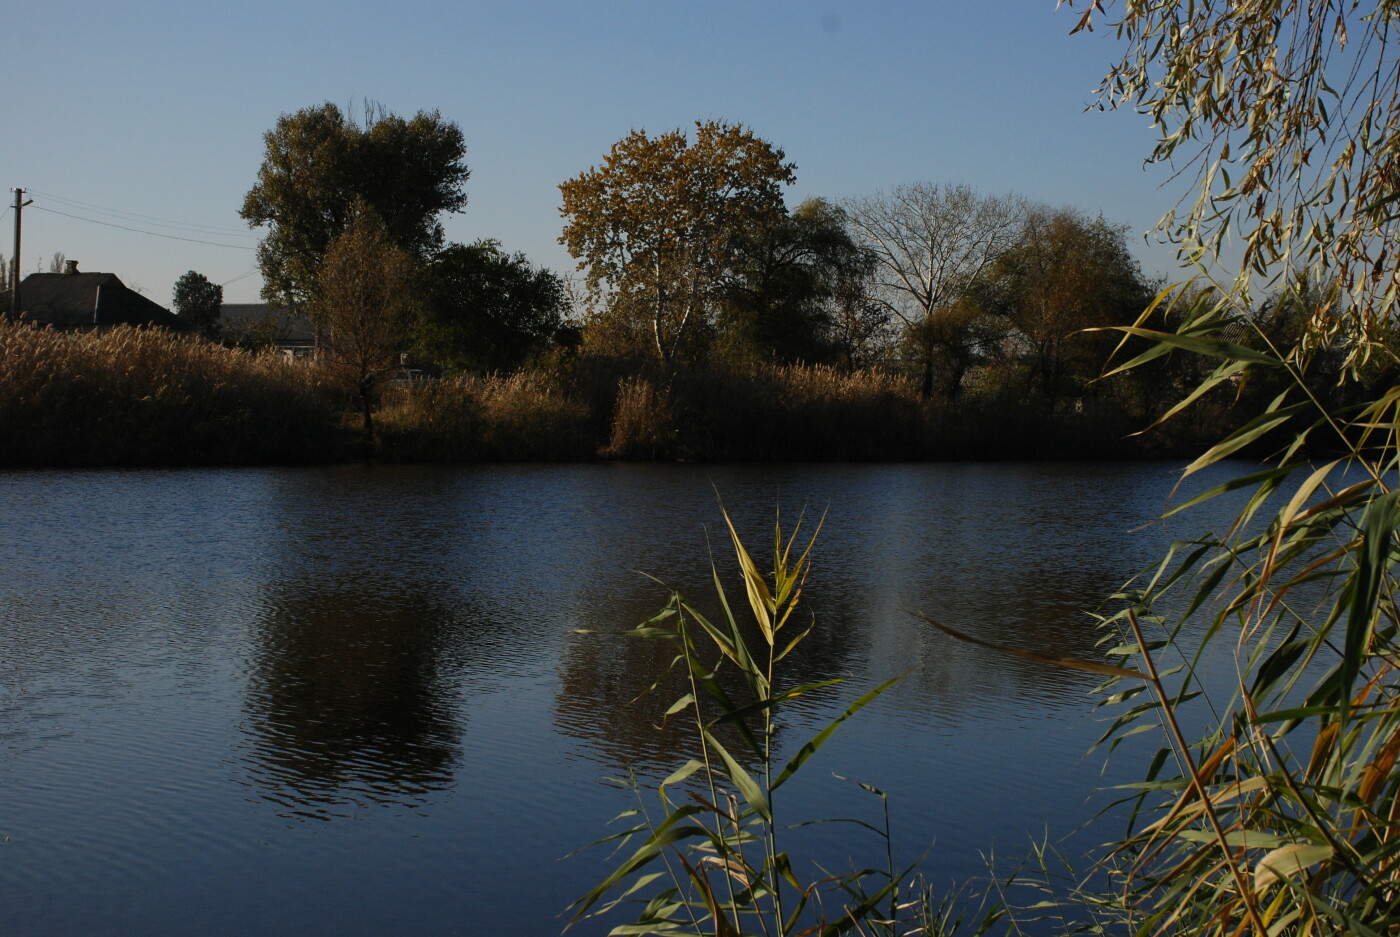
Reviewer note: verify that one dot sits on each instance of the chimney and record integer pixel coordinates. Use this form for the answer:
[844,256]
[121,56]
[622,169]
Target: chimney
[70,266]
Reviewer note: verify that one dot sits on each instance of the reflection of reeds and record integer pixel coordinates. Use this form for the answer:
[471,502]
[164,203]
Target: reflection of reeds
[127,396]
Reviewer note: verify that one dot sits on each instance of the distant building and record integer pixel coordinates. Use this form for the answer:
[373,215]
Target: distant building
[73,300]
[263,324]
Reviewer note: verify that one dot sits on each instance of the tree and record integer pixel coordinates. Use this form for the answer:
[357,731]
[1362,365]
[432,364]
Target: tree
[363,302]
[487,310]
[931,242]
[781,295]
[654,225]
[318,162]
[197,301]
[1066,273]
[1288,115]
[57,263]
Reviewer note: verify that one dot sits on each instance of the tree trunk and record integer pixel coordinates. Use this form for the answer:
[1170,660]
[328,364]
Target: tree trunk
[365,407]
[926,384]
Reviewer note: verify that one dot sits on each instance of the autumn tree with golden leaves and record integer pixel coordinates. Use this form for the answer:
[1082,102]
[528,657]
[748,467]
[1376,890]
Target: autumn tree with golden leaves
[653,226]
[364,305]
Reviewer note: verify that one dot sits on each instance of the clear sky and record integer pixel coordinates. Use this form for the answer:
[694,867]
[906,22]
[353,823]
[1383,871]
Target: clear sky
[144,113]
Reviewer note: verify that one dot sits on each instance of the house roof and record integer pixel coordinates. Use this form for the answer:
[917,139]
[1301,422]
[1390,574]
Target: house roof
[74,300]
[290,329]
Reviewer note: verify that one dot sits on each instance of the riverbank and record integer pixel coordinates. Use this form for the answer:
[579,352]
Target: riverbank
[128,397]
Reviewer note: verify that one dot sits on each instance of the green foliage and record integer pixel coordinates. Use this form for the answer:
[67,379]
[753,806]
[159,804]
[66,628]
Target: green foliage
[197,301]
[1285,810]
[486,310]
[1283,816]
[1064,275]
[318,162]
[780,298]
[712,861]
[653,226]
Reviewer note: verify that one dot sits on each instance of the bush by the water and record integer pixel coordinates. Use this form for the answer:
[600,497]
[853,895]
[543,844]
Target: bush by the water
[128,396]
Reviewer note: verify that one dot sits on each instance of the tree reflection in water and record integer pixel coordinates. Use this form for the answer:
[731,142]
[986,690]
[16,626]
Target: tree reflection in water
[347,703]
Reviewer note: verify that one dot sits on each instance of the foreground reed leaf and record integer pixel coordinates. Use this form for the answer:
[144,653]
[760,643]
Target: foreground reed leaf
[1069,663]
[813,744]
[1286,861]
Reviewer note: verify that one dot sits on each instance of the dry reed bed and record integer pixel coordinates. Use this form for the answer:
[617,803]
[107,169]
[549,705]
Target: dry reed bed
[139,397]
[788,413]
[523,416]
[796,412]
[127,396]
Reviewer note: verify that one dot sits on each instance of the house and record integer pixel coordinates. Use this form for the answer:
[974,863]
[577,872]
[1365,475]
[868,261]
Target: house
[73,300]
[262,324]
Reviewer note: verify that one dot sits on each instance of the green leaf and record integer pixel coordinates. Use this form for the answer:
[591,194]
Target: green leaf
[1213,347]
[1245,435]
[753,794]
[683,772]
[817,741]
[783,697]
[685,701]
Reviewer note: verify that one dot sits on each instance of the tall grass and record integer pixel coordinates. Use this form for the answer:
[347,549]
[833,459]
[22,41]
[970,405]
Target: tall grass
[790,413]
[128,396]
[519,417]
[708,857]
[138,397]
[1282,817]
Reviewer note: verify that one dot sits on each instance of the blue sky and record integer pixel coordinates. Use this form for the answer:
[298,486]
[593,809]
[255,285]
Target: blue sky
[158,109]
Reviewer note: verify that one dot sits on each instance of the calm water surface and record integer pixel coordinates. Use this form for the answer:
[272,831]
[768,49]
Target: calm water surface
[353,701]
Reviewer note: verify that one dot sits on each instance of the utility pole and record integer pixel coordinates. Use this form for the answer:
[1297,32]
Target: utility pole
[14,279]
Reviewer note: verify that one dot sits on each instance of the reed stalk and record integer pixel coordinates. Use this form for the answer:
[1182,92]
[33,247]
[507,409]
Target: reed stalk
[725,870]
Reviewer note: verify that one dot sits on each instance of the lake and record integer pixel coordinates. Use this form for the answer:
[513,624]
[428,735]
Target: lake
[355,700]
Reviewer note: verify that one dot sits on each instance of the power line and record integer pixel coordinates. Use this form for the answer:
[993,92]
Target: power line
[151,219]
[241,276]
[52,211]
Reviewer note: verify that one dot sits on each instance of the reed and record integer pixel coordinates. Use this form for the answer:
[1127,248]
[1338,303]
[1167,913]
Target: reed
[643,423]
[517,417]
[127,396]
[1282,817]
[789,413]
[708,856]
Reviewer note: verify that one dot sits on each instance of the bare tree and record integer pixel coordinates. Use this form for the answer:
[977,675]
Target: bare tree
[931,242]
[56,265]
[364,304]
